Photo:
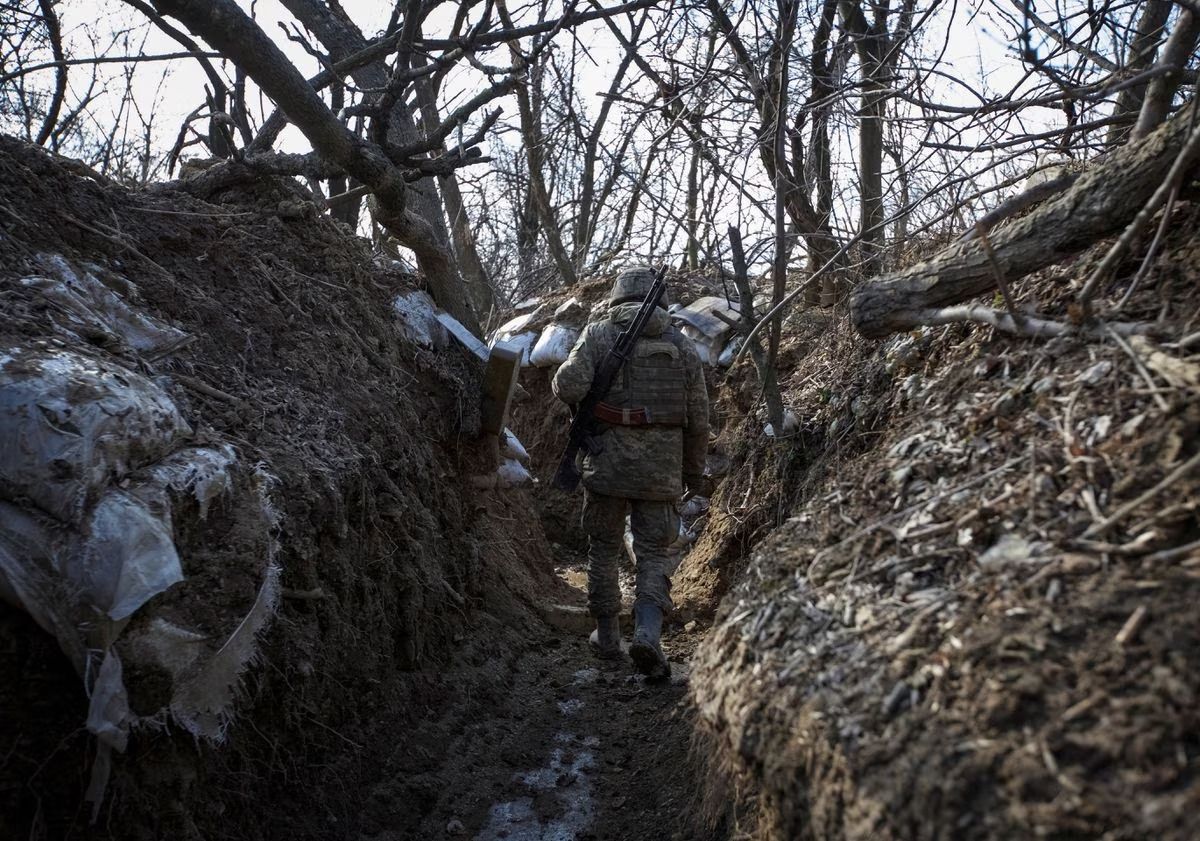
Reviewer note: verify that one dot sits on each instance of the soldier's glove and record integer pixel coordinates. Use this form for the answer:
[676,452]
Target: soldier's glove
[693,484]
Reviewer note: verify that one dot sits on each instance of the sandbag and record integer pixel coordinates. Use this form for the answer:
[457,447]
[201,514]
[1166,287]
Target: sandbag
[72,424]
[83,306]
[416,317]
[512,448]
[522,342]
[553,346]
[512,474]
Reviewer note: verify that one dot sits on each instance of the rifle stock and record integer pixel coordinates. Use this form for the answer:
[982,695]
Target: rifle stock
[583,424]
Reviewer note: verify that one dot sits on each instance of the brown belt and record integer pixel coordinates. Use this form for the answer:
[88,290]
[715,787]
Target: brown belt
[607,413]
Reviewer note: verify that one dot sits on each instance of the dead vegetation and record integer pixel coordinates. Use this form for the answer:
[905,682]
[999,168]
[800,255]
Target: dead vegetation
[977,616]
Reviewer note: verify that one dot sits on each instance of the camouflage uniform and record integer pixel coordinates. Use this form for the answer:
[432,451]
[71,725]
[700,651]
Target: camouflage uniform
[640,468]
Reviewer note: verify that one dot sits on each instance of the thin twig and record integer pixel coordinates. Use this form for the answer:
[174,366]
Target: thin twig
[1172,477]
[1119,248]
[999,275]
[204,388]
[1137,363]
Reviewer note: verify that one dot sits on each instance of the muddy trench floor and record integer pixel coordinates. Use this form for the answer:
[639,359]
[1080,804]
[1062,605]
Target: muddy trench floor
[574,747]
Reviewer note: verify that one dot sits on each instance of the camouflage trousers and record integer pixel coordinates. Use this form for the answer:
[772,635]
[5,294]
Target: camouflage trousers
[655,527]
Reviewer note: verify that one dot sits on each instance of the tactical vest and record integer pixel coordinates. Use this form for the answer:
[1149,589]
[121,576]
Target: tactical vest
[651,388]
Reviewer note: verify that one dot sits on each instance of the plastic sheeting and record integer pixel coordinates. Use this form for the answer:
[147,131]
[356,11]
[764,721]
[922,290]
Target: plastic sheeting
[512,448]
[700,324]
[553,346]
[93,464]
[704,347]
[72,424]
[84,306]
[416,316]
[699,315]
[731,349]
[512,474]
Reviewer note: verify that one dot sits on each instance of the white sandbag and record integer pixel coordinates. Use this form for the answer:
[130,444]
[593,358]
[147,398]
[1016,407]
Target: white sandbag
[791,423]
[703,349]
[513,326]
[72,424]
[553,346]
[512,448]
[82,305]
[701,316]
[128,556]
[512,474]
[416,317]
[524,343]
[730,351]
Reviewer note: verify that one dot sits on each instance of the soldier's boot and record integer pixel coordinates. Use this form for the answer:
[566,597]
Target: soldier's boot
[646,649]
[606,639]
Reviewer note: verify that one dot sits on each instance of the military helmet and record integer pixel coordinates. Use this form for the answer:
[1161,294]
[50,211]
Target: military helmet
[633,284]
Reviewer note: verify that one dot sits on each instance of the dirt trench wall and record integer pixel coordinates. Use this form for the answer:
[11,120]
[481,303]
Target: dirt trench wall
[979,620]
[397,584]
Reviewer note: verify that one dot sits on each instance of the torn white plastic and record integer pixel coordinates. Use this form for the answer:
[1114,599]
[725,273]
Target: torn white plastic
[108,710]
[522,342]
[127,558]
[513,326]
[553,346]
[791,423]
[416,317]
[81,304]
[704,348]
[512,448]
[731,349]
[72,424]
[512,474]
[202,702]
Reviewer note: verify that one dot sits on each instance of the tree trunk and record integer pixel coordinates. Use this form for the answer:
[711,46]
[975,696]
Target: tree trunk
[479,286]
[1103,201]
[589,208]
[1141,56]
[1161,90]
[342,38]
[228,29]
[870,173]
[693,201]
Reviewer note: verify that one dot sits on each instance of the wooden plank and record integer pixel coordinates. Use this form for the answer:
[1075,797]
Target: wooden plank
[499,383]
[464,336]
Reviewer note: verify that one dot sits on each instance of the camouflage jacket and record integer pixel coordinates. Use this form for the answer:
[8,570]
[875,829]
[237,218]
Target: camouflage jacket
[639,462]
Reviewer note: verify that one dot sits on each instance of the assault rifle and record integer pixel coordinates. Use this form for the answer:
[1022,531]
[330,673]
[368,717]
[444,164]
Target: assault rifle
[583,425]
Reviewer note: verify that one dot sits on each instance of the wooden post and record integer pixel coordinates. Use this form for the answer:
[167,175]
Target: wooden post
[499,383]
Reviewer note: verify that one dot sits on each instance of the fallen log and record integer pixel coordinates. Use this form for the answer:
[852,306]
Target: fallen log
[1104,199]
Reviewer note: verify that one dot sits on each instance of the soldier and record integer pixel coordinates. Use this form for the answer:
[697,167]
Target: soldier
[651,445]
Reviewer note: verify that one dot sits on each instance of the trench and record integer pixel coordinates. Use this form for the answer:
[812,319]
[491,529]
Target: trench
[574,747]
